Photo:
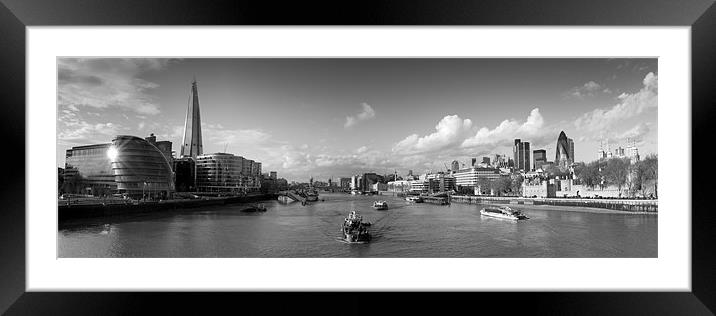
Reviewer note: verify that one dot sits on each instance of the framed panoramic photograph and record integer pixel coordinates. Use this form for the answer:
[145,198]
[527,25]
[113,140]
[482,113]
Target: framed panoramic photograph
[476,150]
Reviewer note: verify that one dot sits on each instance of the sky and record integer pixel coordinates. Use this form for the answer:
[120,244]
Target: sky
[324,118]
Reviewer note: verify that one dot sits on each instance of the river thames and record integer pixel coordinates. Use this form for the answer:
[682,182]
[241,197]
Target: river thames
[404,231]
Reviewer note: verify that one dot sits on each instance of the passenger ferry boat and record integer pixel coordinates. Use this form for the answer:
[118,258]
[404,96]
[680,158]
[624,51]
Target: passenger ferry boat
[414,199]
[380,205]
[354,229]
[502,212]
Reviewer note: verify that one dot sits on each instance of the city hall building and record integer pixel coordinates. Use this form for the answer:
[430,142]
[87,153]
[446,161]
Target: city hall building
[129,165]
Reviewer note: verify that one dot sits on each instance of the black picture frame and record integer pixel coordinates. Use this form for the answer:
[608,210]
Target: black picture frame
[15,15]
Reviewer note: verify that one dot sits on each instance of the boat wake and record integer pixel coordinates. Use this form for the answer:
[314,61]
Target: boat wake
[350,242]
[379,224]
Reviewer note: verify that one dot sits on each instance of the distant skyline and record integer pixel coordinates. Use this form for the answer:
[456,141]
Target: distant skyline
[337,117]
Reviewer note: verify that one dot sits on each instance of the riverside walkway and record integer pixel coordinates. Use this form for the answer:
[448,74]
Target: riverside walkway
[99,207]
[629,205]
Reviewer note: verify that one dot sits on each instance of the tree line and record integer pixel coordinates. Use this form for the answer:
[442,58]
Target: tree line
[640,178]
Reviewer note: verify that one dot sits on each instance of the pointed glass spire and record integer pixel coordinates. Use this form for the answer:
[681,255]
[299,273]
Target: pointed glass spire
[191,143]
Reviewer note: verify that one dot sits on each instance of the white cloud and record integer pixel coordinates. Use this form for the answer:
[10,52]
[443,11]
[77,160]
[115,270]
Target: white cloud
[108,83]
[82,133]
[588,89]
[591,86]
[451,130]
[238,138]
[295,160]
[630,105]
[637,132]
[366,114]
[508,130]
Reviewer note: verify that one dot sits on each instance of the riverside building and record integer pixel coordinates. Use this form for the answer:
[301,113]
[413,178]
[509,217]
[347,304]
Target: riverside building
[468,177]
[219,172]
[399,186]
[184,174]
[129,165]
[224,172]
[88,170]
[140,167]
[440,182]
[419,186]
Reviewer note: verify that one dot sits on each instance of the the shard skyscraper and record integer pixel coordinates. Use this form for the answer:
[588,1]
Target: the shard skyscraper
[191,143]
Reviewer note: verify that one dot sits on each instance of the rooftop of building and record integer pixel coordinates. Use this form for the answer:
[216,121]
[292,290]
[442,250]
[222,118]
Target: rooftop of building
[218,154]
[478,169]
[90,146]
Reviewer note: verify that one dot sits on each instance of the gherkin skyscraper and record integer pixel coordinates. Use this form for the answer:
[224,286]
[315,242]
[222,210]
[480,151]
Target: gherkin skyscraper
[191,143]
[565,151]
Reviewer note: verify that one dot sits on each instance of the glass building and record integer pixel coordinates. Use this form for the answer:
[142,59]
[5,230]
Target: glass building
[521,152]
[540,158]
[565,151]
[140,168]
[184,174]
[88,170]
[219,172]
[191,142]
[129,165]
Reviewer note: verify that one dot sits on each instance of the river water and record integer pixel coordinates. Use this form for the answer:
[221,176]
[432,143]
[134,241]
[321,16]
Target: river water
[404,231]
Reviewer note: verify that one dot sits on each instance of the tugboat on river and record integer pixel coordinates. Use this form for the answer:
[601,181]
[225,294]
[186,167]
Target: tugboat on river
[354,229]
[312,195]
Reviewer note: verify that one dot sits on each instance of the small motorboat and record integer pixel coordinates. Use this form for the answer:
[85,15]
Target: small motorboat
[502,212]
[380,205]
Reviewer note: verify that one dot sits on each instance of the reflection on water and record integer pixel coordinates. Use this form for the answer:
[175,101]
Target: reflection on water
[404,231]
